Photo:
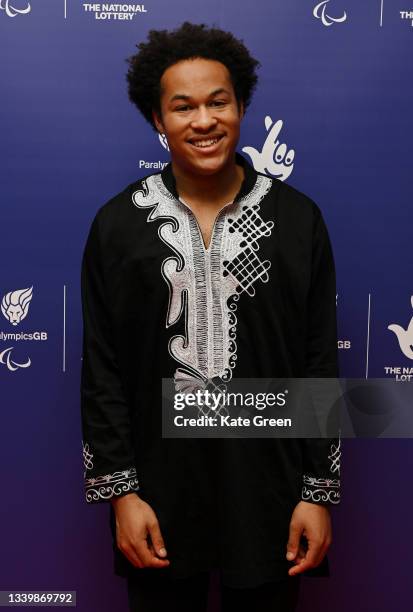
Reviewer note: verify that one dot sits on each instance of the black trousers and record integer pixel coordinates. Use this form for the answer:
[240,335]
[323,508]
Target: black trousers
[151,592]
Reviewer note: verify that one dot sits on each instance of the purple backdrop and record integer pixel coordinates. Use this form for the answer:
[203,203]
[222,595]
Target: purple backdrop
[337,77]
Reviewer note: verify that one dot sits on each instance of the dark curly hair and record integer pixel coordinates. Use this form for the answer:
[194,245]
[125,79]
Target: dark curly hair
[165,48]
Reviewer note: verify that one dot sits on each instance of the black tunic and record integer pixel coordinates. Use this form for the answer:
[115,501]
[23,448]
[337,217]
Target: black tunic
[259,302]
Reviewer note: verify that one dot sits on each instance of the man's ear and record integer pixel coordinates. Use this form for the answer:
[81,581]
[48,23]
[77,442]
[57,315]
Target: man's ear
[241,109]
[158,122]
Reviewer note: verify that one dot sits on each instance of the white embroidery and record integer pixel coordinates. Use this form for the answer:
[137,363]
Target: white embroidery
[205,284]
[87,457]
[334,456]
[105,487]
[321,489]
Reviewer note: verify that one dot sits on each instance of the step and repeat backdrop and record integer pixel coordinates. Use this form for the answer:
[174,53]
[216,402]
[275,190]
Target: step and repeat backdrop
[332,116]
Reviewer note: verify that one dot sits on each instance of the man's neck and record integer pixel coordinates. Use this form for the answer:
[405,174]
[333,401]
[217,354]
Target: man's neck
[210,190]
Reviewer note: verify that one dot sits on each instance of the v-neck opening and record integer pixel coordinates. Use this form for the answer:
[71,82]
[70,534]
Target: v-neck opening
[248,183]
[207,249]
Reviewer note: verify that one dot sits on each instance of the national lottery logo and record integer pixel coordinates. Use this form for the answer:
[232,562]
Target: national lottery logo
[404,336]
[15,304]
[275,157]
[11,10]
[320,12]
[109,11]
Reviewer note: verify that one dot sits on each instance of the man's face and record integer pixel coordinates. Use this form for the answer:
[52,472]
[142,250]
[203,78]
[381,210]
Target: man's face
[199,115]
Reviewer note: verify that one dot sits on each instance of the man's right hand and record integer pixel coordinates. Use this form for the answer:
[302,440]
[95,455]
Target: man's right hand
[138,534]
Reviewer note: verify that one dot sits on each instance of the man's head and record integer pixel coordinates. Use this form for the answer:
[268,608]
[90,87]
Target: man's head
[194,84]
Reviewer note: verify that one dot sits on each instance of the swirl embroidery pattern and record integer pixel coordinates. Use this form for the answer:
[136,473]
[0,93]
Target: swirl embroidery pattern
[105,487]
[321,489]
[205,284]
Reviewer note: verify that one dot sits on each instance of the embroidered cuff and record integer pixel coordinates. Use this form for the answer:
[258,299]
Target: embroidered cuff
[111,485]
[321,490]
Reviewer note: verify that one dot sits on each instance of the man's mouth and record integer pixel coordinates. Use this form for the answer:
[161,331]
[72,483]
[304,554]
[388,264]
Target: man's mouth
[203,143]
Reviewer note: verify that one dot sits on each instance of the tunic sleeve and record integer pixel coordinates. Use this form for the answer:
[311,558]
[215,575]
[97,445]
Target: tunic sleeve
[109,465]
[321,456]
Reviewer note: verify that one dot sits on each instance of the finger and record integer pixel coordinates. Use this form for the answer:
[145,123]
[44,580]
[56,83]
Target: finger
[157,539]
[319,548]
[301,553]
[152,550]
[293,541]
[147,557]
[150,546]
[307,562]
[321,553]
[275,131]
[132,556]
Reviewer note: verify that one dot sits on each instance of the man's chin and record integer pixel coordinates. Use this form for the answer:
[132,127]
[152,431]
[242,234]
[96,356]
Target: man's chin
[205,167]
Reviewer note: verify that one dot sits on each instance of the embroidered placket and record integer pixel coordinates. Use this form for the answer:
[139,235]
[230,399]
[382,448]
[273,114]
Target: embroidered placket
[207,283]
[214,360]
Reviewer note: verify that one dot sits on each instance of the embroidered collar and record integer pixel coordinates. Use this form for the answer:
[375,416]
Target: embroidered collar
[250,177]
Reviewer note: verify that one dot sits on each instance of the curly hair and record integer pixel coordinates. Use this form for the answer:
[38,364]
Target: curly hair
[165,48]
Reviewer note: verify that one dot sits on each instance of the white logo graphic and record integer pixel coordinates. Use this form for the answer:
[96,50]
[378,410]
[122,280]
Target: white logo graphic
[404,336]
[12,365]
[15,304]
[163,141]
[11,11]
[274,158]
[114,12]
[319,12]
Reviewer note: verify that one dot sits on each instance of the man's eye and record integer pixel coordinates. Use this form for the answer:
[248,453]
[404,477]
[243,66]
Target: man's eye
[186,107]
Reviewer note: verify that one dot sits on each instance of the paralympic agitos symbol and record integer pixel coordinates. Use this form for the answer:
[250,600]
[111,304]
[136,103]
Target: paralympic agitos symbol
[319,12]
[12,11]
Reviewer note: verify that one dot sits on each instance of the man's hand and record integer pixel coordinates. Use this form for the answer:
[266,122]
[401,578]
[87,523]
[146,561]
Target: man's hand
[313,522]
[136,522]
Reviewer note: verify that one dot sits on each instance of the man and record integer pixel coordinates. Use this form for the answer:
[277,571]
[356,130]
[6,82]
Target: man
[202,272]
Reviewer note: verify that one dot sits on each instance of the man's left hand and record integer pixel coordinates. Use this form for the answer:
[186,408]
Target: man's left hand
[314,523]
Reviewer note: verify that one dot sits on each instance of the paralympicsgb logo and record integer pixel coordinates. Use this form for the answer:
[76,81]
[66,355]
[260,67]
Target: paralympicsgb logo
[15,304]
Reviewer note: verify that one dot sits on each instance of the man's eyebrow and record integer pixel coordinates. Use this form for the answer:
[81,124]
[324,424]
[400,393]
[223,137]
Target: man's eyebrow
[186,97]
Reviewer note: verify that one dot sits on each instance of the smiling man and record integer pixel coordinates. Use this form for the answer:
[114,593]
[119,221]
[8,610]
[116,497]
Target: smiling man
[205,271]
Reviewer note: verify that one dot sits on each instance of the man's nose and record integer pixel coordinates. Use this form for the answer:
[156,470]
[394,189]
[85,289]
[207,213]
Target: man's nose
[204,118]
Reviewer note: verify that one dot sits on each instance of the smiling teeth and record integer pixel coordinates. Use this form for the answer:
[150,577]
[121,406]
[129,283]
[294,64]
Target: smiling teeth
[204,143]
